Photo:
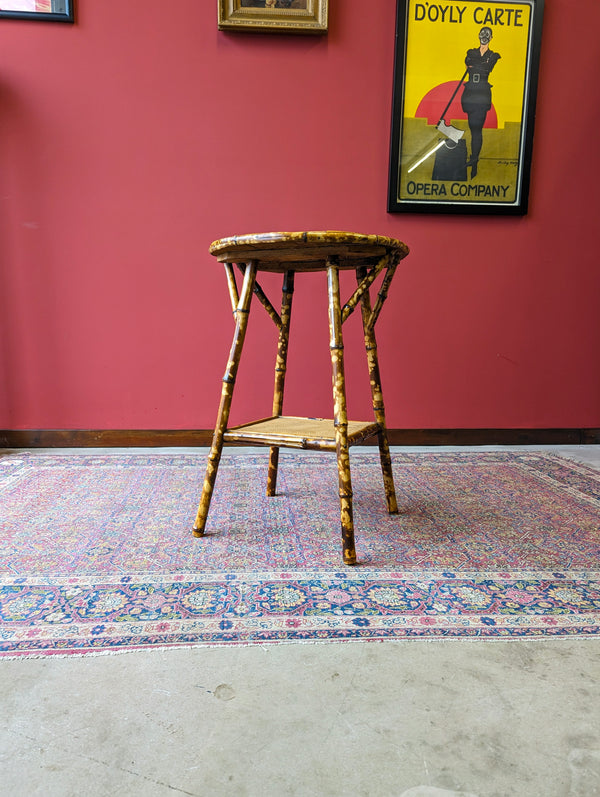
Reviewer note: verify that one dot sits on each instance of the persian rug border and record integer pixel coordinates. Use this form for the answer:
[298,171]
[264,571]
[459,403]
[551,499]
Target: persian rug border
[83,615]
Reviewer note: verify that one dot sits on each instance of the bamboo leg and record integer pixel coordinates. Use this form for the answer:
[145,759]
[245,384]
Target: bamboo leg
[231,283]
[377,395]
[280,371]
[241,318]
[336,346]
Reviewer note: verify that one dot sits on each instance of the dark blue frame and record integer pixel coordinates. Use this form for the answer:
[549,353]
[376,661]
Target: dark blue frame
[62,12]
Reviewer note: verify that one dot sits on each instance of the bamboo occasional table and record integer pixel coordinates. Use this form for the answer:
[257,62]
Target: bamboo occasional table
[288,253]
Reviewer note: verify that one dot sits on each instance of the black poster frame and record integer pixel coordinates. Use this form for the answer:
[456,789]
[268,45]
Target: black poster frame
[499,184]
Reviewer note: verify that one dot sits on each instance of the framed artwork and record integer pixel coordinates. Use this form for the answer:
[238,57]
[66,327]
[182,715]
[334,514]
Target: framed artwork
[276,16]
[463,110]
[46,10]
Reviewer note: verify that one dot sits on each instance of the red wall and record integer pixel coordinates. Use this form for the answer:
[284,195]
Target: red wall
[131,140]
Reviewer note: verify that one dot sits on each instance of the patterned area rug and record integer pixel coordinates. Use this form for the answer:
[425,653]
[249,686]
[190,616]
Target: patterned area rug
[97,553]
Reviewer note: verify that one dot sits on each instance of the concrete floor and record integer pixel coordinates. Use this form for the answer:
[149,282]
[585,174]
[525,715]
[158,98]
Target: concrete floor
[404,719]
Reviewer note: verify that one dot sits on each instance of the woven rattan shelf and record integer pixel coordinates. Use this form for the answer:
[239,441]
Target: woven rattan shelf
[290,432]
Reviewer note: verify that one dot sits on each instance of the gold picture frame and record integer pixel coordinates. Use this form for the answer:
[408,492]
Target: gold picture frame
[274,16]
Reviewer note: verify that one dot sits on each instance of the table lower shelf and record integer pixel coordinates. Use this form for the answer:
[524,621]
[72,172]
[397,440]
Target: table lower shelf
[291,432]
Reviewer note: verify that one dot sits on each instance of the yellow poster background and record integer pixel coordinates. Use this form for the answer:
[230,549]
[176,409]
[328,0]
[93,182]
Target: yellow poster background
[436,53]
[438,37]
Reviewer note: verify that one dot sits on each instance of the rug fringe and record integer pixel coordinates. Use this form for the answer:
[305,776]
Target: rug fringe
[245,644]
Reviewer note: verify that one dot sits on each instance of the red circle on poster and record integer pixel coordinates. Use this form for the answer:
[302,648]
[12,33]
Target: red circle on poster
[436,99]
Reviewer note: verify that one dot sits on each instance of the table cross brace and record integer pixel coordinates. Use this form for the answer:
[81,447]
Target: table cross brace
[263,299]
[365,284]
[381,297]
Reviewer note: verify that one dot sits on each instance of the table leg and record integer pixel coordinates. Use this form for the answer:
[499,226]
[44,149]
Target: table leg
[377,396]
[280,371]
[241,324]
[336,346]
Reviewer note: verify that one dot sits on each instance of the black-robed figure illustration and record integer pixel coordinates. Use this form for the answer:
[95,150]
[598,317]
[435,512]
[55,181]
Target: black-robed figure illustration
[477,94]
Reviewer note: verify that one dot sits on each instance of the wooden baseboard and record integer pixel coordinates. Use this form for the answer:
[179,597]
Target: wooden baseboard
[103,438]
[488,437]
[156,438]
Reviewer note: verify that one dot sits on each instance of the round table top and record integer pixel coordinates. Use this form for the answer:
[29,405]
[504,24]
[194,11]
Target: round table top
[307,251]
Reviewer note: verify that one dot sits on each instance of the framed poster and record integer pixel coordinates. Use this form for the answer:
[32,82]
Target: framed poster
[465,82]
[46,10]
[273,16]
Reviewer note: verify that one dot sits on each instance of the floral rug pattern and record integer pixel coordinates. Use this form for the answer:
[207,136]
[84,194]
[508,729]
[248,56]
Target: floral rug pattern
[96,551]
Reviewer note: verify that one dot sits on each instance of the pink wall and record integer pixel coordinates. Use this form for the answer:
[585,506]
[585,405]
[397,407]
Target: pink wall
[131,140]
